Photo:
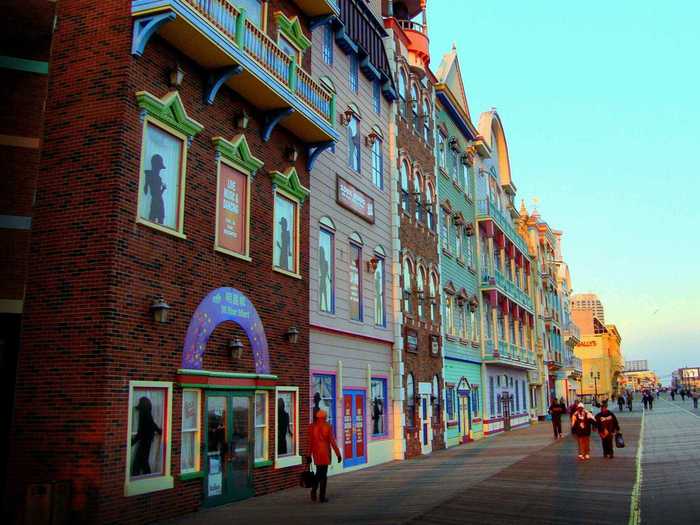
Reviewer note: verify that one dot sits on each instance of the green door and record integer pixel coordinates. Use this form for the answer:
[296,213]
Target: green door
[228,447]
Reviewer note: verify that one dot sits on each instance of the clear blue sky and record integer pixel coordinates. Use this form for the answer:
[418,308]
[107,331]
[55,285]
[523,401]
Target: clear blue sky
[601,107]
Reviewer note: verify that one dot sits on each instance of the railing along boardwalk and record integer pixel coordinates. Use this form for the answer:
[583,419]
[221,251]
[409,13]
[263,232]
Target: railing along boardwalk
[233,23]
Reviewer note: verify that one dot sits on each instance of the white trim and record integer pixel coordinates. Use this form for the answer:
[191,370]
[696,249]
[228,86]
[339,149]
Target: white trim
[266,428]
[292,459]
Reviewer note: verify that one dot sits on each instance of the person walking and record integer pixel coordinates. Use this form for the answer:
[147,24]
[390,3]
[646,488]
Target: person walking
[321,440]
[556,410]
[682,394]
[695,395]
[608,426]
[650,400]
[582,422]
[645,400]
[620,403]
[673,395]
[630,399]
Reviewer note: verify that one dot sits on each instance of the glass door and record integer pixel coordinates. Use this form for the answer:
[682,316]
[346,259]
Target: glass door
[229,447]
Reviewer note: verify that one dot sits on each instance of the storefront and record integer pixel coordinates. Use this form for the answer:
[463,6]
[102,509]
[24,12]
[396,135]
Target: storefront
[507,399]
[462,401]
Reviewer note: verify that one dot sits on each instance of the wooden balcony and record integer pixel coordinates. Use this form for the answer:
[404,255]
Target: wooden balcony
[237,53]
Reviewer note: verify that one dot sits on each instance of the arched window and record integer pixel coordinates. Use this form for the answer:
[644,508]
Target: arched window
[405,196]
[436,397]
[432,291]
[407,287]
[379,287]
[430,206]
[410,401]
[459,251]
[415,104]
[354,143]
[420,290]
[402,93]
[418,195]
[426,120]
[326,265]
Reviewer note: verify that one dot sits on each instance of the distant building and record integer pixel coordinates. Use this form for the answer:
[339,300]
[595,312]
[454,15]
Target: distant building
[588,301]
[686,378]
[637,376]
[636,366]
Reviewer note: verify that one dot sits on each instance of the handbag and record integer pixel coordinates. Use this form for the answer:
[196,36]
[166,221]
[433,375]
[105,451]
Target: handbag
[307,477]
[619,440]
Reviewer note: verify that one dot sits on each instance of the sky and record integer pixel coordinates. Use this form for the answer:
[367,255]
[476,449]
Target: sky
[600,105]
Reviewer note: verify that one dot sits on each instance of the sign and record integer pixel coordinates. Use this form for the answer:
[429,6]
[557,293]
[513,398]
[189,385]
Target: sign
[587,343]
[358,202]
[435,344]
[411,341]
[232,210]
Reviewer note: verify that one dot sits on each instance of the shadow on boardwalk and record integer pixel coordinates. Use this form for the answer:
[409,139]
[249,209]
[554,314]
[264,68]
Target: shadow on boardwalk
[521,476]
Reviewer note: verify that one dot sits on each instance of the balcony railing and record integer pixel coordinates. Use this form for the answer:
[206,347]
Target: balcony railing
[511,289]
[486,208]
[233,34]
[575,363]
[410,25]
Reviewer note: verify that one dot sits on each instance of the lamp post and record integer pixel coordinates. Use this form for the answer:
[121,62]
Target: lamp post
[595,378]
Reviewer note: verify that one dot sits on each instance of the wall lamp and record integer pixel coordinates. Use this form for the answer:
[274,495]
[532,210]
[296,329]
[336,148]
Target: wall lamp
[176,75]
[159,309]
[235,347]
[292,334]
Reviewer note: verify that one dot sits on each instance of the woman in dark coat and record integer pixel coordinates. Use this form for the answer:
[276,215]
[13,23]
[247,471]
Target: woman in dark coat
[143,439]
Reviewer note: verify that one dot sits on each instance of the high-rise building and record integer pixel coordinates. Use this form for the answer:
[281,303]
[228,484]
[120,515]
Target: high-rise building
[588,301]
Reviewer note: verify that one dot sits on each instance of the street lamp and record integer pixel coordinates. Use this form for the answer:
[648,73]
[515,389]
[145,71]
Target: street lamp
[595,378]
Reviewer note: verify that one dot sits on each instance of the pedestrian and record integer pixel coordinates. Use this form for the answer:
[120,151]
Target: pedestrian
[630,398]
[556,409]
[607,428]
[673,395]
[682,394]
[695,395]
[582,422]
[645,399]
[650,400]
[620,403]
[321,440]
[658,393]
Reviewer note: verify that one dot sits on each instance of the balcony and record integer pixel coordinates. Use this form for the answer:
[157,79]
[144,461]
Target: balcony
[237,53]
[509,355]
[507,287]
[572,332]
[486,209]
[574,366]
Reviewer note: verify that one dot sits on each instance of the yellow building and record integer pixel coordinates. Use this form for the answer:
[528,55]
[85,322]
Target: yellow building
[599,351]
[638,380]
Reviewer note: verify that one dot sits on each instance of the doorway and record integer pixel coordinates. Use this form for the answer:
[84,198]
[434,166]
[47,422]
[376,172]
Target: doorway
[506,401]
[229,447]
[465,416]
[354,435]
[426,434]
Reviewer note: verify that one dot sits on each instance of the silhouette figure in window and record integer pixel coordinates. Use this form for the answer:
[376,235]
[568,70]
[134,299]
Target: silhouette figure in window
[284,244]
[282,428]
[325,279]
[154,185]
[147,429]
[377,411]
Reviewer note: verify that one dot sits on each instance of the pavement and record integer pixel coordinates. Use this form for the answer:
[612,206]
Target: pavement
[522,477]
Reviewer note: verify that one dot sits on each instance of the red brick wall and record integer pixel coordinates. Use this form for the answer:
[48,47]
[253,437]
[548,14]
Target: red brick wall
[94,271]
[422,243]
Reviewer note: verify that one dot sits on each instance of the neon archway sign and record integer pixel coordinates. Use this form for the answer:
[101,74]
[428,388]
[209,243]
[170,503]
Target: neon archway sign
[221,305]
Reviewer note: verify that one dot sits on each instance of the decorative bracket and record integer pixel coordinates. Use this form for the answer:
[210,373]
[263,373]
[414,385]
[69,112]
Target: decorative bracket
[314,150]
[319,21]
[145,27]
[272,118]
[217,79]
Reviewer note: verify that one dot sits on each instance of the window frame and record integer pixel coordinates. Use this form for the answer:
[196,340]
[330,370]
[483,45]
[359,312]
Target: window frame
[381,262]
[417,196]
[354,244]
[265,459]
[405,186]
[421,277]
[297,232]
[327,230]
[406,287]
[387,406]
[148,484]
[289,460]
[377,155]
[450,403]
[328,39]
[332,419]
[197,432]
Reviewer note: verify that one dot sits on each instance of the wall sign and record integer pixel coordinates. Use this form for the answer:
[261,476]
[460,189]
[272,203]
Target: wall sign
[358,202]
[233,210]
[411,341]
[435,344]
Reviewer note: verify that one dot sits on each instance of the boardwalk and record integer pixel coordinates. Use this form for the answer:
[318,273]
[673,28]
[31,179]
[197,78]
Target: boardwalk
[519,477]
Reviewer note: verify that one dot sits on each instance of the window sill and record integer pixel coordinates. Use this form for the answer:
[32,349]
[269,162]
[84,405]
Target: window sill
[471,269]
[446,252]
[162,229]
[461,262]
[187,476]
[457,186]
[444,173]
[286,462]
[452,338]
[144,486]
[233,254]
[286,272]
[263,463]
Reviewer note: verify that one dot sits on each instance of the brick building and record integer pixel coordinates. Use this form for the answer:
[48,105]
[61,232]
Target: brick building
[416,204]
[164,357]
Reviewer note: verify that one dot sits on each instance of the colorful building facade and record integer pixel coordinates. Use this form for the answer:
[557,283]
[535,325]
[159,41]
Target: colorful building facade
[351,297]
[456,163]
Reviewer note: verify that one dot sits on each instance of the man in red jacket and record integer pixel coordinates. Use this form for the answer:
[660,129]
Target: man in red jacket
[321,439]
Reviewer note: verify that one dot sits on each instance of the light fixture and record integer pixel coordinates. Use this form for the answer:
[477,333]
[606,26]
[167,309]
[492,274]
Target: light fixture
[159,308]
[372,265]
[371,138]
[292,334]
[176,76]
[242,119]
[235,347]
[346,116]
[291,153]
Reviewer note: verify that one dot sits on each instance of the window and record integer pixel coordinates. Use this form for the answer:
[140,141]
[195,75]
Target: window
[414,107]
[406,275]
[354,73]
[492,397]
[458,242]
[380,407]
[287,428]
[377,164]
[261,425]
[379,292]
[410,401]
[445,229]
[417,195]
[454,165]
[474,325]
[475,401]
[442,151]
[429,206]
[323,397]
[328,44]
[433,297]
[449,314]
[464,177]
[354,143]
[189,454]
[420,289]
[517,396]
[377,96]
[402,93]
[426,120]
[405,196]
[468,182]
[289,49]
[522,386]
[285,249]
[470,251]
[355,282]
[463,327]
[148,445]
[436,397]
[450,403]
[326,270]
[253,10]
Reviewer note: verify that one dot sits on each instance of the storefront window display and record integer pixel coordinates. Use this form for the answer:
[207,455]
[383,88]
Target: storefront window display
[148,447]
[324,396]
[287,430]
[285,233]
[379,407]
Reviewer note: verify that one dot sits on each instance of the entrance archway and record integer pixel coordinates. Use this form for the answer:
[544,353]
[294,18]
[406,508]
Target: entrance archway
[220,305]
